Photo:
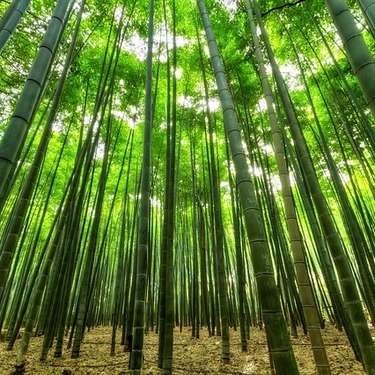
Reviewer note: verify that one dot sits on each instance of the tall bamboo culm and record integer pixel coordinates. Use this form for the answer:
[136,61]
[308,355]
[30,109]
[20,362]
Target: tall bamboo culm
[362,341]
[276,328]
[136,360]
[359,56]
[296,241]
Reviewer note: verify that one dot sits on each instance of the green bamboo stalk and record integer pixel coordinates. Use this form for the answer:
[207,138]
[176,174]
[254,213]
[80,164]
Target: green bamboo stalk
[366,346]
[166,322]
[120,276]
[136,360]
[7,30]
[16,220]
[218,222]
[359,56]
[279,341]
[365,124]
[368,10]
[296,241]
[84,297]
[8,13]
[16,131]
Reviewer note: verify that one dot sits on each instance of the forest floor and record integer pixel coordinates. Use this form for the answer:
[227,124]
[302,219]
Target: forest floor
[191,356]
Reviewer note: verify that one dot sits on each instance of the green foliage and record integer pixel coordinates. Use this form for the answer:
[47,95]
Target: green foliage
[338,101]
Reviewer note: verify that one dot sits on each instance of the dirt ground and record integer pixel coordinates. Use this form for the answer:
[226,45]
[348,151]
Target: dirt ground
[191,356]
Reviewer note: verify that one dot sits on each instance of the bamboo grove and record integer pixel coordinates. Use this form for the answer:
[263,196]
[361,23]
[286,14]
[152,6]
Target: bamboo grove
[166,164]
